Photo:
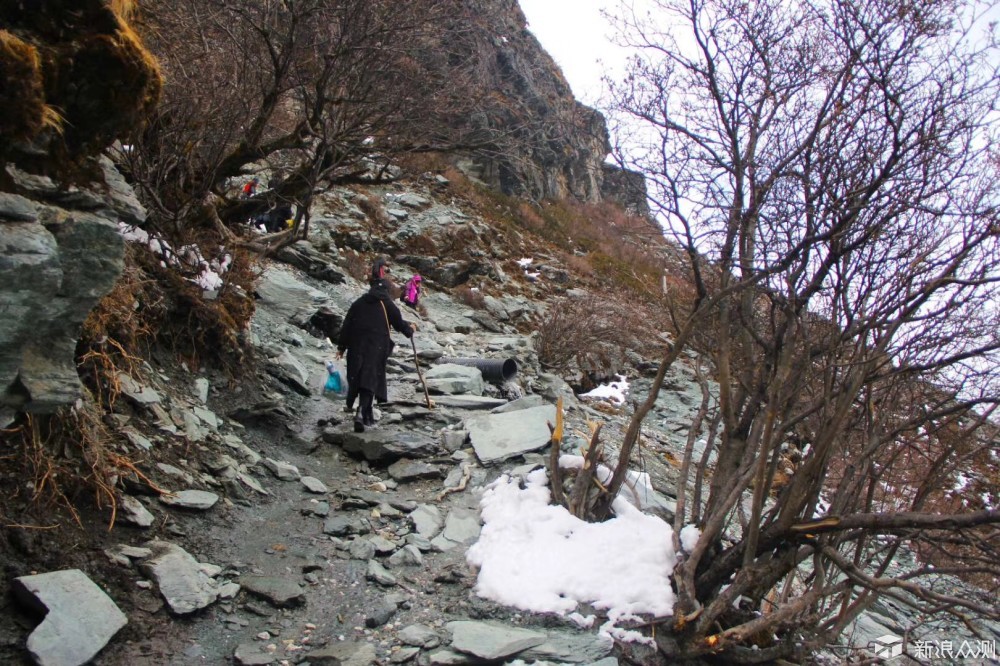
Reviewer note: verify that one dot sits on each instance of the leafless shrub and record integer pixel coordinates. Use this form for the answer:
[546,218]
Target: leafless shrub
[470,296]
[589,334]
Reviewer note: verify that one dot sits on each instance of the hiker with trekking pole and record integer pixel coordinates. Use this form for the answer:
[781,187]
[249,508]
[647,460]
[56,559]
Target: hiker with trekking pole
[366,337]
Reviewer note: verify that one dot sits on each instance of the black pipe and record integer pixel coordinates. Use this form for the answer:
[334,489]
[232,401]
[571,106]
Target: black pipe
[493,369]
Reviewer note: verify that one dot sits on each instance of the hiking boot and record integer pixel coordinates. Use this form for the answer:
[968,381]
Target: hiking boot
[359,424]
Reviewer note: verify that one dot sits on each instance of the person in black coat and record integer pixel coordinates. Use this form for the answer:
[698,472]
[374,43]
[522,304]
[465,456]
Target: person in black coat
[365,336]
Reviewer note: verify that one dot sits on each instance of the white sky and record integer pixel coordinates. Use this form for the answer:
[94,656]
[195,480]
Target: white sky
[578,38]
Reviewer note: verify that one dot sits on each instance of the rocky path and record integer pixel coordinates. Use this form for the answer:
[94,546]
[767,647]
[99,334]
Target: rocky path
[292,539]
[289,539]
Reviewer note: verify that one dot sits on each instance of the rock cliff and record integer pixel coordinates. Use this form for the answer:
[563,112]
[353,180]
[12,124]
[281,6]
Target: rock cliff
[551,146]
[72,82]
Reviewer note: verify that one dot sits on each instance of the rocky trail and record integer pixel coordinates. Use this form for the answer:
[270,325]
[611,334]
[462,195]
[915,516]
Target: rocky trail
[287,538]
[331,546]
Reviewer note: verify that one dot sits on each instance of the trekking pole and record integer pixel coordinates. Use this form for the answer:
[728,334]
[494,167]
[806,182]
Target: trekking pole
[430,405]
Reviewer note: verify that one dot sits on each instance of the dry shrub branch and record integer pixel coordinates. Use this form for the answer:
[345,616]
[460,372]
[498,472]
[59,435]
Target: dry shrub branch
[589,334]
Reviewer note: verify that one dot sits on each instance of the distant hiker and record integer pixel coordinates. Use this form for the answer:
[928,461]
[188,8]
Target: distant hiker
[411,292]
[379,270]
[277,218]
[365,335]
[250,188]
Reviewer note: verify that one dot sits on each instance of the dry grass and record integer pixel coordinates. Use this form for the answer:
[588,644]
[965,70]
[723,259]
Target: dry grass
[356,265]
[372,207]
[589,334]
[474,298]
[63,456]
[24,112]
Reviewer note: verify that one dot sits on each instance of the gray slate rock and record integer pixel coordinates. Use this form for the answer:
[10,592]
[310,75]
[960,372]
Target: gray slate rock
[427,521]
[361,549]
[343,654]
[419,635]
[378,574]
[288,297]
[79,621]
[454,379]
[533,400]
[250,654]
[405,470]
[468,401]
[314,485]
[403,655]
[341,525]
[380,615]
[16,208]
[280,592]
[445,657]
[282,470]
[134,512]
[461,526]
[501,436]
[407,556]
[382,446]
[138,393]
[181,579]
[196,500]
[453,440]
[490,641]
[570,648]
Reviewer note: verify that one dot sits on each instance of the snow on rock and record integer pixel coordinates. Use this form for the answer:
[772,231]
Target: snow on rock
[537,557]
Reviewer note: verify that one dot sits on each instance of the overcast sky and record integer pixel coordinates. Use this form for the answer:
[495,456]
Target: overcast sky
[578,38]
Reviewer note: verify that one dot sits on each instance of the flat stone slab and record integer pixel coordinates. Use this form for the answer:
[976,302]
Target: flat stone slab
[461,526]
[280,592]
[314,485]
[571,648]
[282,470]
[501,436]
[454,379]
[80,618]
[490,641]
[382,446]
[427,520]
[181,578]
[468,401]
[196,500]
[344,654]
[251,654]
[413,470]
[419,635]
[134,512]
[527,402]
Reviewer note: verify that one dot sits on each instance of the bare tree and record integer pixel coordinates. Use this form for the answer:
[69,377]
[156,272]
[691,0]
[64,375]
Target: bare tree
[319,90]
[827,168]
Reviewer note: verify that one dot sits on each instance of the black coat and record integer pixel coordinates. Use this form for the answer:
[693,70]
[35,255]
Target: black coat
[365,336]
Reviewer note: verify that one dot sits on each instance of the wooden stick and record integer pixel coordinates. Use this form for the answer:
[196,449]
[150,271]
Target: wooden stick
[430,405]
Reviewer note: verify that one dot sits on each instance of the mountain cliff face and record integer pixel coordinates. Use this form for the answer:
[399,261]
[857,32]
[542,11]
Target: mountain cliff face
[71,82]
[552,146]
